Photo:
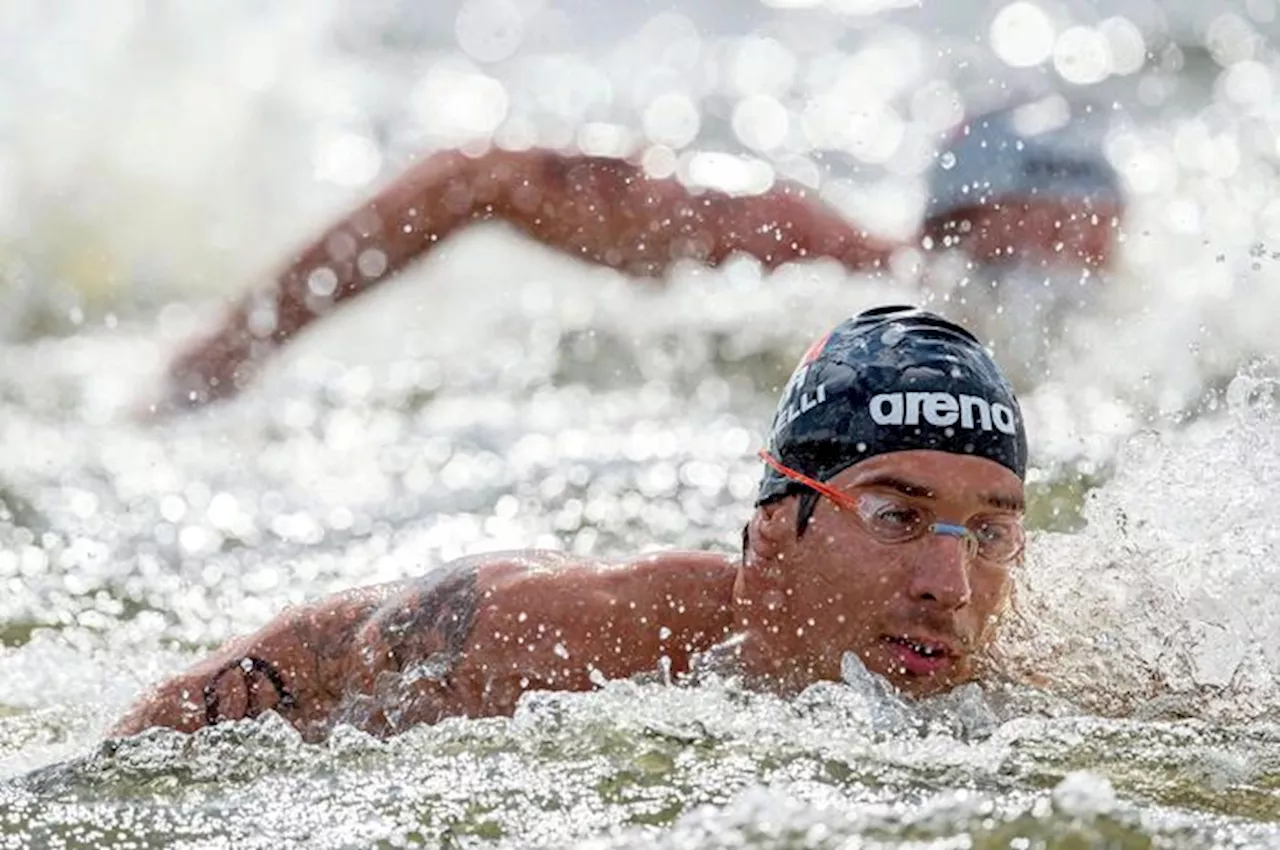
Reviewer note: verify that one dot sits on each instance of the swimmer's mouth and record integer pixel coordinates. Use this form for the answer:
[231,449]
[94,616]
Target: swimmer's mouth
[922,655]
[926,648]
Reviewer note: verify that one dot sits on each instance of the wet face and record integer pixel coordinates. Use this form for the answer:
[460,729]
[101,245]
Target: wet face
[917,612]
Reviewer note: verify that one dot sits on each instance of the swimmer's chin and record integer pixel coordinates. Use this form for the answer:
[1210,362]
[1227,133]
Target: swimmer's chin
[887,673]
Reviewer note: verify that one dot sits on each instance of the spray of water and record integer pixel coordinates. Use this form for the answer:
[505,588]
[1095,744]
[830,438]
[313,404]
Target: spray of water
[1163,605]
[155,153]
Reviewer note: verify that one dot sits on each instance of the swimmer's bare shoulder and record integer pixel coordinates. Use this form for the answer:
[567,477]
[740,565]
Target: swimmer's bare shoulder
[467,638]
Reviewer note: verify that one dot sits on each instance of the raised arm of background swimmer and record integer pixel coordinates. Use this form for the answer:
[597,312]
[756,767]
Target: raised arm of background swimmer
[607,211]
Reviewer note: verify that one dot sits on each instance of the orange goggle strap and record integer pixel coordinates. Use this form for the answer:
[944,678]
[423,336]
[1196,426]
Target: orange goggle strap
[844,500]
[840,497]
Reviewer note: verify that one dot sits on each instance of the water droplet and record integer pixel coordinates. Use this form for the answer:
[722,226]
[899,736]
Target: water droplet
[322,282]
[1248,393]
[372,263]
[1084,794]
[434,668]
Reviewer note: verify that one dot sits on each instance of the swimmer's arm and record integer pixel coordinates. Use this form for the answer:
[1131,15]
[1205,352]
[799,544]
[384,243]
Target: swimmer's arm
[602,210]
[293,666]
[413,660]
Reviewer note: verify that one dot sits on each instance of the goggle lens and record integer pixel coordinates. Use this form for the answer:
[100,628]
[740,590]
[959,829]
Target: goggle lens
[890,518]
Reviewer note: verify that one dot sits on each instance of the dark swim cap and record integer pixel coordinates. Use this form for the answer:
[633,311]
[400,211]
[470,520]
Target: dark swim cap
[892,379]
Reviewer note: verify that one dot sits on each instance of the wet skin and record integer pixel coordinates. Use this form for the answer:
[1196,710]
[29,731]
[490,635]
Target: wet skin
[470,637]
[837,589]
[1049,232]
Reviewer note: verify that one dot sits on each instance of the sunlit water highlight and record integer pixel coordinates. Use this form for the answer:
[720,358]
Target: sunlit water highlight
[501,398]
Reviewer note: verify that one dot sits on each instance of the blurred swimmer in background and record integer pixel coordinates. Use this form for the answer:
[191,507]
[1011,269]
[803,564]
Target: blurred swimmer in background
[1023,214]
[1033,206]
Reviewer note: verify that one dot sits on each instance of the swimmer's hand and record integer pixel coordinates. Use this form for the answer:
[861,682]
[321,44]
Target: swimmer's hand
[212,368]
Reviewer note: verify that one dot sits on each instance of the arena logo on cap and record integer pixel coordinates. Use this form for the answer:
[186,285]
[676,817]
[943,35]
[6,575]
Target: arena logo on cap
[942,409]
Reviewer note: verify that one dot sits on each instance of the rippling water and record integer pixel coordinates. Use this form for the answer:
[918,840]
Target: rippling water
[500,397]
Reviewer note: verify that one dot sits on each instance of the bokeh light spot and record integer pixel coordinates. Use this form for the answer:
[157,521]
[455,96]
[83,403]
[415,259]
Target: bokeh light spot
[1022,35]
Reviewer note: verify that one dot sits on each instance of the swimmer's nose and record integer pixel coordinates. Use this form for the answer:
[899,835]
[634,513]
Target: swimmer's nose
[967,537]
[941,573]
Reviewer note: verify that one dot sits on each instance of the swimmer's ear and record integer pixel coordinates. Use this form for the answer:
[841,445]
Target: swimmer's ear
[772,528]
[760,590]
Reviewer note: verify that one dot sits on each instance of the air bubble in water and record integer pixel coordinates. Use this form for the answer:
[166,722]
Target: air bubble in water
[1249,393]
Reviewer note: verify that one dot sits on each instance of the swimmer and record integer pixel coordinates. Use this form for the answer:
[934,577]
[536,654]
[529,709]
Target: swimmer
[887,524]
[1025,187]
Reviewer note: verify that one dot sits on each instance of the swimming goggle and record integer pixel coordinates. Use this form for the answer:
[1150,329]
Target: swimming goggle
[891,518]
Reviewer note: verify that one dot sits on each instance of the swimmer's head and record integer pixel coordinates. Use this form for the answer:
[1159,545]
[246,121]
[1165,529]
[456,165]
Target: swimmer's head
[890,379]
[1032,182]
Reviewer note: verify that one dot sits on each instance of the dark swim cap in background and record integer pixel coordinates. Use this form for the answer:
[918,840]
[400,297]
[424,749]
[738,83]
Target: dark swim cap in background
[892,379]
[1050,149]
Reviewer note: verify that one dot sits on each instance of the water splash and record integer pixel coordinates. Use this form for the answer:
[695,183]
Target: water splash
[713,764]
[1162,605]
[165,154]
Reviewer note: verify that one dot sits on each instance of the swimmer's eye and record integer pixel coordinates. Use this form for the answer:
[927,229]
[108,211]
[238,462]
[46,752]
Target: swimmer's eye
[990,532]
[892,519]
[999,538]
